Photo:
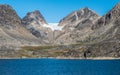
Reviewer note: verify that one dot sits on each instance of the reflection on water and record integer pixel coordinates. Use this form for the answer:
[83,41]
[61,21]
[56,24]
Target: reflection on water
[59,67]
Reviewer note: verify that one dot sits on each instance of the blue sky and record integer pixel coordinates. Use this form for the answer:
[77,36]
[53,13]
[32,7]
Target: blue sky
[54,10]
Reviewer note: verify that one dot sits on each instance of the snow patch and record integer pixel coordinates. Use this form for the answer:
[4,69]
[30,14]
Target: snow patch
[82,12]
[76,15]
[53,26]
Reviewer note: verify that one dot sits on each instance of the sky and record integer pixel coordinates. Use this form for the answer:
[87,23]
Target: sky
[54,10]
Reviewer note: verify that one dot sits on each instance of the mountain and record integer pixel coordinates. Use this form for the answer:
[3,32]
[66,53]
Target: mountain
[107,27]
[81,34]
[34,17]
[105,37]
[101,36]
[76,26]
[108,18]
[76,17]
[12,31]
[37,25]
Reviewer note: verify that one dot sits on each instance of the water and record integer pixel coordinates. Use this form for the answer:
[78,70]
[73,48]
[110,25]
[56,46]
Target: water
[59,67]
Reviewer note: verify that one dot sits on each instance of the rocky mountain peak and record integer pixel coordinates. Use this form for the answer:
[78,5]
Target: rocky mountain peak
[37,12]
[34,17]
[76,26]
[86,9]
[8,15]
[87,12]
[37,25]
[78,16]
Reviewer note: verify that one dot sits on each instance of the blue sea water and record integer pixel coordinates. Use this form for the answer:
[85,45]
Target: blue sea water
[59,67]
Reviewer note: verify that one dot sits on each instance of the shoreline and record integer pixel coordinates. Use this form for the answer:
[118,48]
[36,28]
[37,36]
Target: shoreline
[66,58]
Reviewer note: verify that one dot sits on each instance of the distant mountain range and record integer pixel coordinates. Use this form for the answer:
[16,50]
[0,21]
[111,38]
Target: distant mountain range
[89,34]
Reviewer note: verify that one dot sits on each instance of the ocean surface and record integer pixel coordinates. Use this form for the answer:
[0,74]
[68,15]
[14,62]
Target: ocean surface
[59,67]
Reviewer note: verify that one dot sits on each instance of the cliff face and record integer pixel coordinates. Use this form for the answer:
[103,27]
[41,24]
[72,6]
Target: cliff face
[12,32]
